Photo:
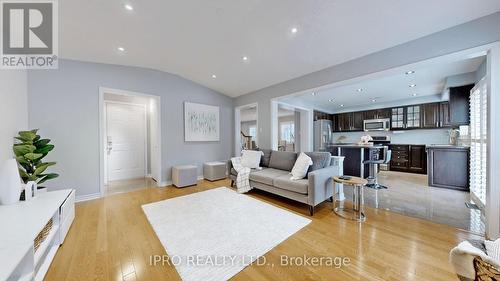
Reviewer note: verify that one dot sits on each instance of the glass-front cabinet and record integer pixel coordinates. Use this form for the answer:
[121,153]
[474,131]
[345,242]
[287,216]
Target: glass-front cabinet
[397,118]
[413,116]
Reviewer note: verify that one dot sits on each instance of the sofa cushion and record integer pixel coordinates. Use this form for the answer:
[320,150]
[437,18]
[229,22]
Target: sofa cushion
[284,182]
[264,160]
[266,176]
[320,160]
[282,160]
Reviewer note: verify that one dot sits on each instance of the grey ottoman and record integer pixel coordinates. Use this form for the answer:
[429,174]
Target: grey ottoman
[214,171]
[184,175]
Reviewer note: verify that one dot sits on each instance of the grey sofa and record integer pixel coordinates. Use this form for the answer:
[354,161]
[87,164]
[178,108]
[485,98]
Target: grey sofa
[275,177]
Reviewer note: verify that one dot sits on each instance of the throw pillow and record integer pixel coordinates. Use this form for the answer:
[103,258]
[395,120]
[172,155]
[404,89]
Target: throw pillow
[251,158]
[493,249]
[299,170]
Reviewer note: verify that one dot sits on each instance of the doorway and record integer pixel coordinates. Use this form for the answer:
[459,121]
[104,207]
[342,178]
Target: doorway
[129,141]
[246,128]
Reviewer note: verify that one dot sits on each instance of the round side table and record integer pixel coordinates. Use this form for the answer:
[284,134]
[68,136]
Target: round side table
[355,213]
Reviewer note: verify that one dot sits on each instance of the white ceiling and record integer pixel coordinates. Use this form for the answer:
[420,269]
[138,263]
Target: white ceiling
[198,38]
[429,80]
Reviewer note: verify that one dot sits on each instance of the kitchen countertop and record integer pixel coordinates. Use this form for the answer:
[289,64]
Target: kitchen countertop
[354,145]
[445,146]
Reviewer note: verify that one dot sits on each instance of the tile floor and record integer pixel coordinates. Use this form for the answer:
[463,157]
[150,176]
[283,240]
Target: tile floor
[121,186]
[409,194]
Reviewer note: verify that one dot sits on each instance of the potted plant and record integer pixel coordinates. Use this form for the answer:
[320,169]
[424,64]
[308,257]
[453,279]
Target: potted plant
[30,149]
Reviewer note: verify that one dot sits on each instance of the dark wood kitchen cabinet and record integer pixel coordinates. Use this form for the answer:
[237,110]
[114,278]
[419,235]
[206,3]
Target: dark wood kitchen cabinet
[398,120]
[448,167]
[357,121]
[444,114]
[377,113]
[430,115]
[459,105]
[349,122]
[343,122]
[408,158]
[418,159]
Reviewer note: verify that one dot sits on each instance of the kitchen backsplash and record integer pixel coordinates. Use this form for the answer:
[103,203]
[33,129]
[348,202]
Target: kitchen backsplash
[421,136]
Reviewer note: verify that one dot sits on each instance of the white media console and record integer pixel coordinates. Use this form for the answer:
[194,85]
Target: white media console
[22,222]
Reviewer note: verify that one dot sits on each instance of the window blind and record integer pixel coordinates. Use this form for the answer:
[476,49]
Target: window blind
[478,149]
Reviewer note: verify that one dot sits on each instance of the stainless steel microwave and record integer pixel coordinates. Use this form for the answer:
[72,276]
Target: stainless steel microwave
[377,124]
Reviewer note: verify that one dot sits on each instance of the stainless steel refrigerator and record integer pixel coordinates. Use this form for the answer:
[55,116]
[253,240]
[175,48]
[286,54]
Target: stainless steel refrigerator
[322,134]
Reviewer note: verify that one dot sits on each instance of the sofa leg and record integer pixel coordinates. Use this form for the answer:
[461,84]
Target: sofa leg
[232,183]
[311,211]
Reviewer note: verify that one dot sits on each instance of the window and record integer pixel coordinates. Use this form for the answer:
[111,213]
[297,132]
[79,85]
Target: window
[287,130]
[478,148]
[252,131]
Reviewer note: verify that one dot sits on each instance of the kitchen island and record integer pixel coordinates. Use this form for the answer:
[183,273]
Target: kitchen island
[448,166]
[354,155]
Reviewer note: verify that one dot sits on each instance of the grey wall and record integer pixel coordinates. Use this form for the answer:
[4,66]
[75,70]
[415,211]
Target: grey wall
[13,109]
[63,103]
[472,34]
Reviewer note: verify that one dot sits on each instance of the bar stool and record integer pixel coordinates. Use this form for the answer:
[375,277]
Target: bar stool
[356,213]
[373,171]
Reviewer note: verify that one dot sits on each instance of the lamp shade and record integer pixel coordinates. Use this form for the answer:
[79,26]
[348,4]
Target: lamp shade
[10,182]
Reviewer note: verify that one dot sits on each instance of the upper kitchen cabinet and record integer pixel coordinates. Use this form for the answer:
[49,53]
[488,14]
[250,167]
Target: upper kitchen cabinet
[377,114]
[459,105]
[398,118]
[444,114]
[357,121]
[413,116]
[348,122]
[343,122]
[430,115]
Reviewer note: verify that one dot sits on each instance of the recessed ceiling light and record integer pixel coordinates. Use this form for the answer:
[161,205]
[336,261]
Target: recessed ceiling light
[374,100]
[121,49]
[331,100]
[341,105]
[313,94]
[414,94]
[128,7]
[409,72]
[245,58]
[412,85]
[360,90]
[214,76]
[294,30]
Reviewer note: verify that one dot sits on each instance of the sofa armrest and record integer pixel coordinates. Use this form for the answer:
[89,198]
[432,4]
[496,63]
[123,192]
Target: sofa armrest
[320,186]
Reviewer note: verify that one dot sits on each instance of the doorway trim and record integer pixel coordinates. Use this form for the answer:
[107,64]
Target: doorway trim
[237,126]
[102,132]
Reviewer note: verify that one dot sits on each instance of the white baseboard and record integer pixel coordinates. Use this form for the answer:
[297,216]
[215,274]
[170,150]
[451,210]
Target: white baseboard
[169,182]
[87,197]
[164,183]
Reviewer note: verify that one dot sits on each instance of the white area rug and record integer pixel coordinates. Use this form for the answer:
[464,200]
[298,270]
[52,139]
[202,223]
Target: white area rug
[216,233]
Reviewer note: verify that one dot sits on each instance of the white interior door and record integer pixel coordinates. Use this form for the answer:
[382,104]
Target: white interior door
[125,135]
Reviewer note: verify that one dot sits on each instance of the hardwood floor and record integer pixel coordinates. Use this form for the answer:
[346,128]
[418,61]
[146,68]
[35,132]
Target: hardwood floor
[111,239]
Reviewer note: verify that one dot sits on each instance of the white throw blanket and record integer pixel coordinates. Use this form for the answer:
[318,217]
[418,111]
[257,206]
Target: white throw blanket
[243,177]
[462,259]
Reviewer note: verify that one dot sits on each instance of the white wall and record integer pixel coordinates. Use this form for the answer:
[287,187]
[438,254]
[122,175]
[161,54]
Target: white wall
[13,108]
